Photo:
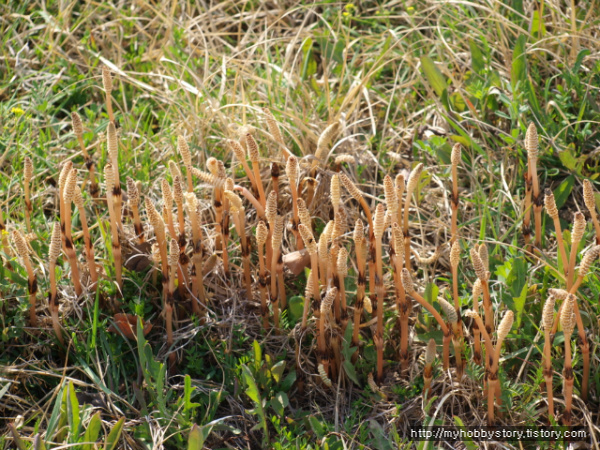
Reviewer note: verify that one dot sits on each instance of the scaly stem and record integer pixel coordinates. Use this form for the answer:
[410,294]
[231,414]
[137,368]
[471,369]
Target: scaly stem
[116,245]
[487,307]
[380,298]
[89,249]
[53,303]
[70,251]
[262,282]
[547,363]
[360,293]
[568,381]
[137,224]
[527,218]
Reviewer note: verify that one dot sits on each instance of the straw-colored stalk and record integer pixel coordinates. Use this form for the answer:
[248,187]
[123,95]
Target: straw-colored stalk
[457,326]
[357,195]
[323,145]
[184,281]
[310,189]
[411,186]
[453,323]
[275,132]
[254,155]
[158,225]
[493,358]
[275,173]
[455,161]
[342,273]
[89,247]
[428,369]
[261,238]
[186,156]
[112,144]
[133,198]
[107,83]
[271,214]
[552,211]
[379,224]
[276,238]
[23,251]
[531,145]
[27,176]
[213,167]
[483,276]
[400,186]
[173,263]
[240,154]
[53,253]
[311,246]
[89,162]
[567,321]
[239,220]
[323,251]
[361,281]
[194,212]
[410,290]
[403,306]
[109,180]
[590,203]
[168,198]
[324,320]
[69,193]
[291,170]
[62,181]
[584,344]
[576,236]
[477,291]
[547,320]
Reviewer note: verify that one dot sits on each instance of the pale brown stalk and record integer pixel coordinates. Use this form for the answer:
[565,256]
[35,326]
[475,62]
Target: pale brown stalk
[112,147]
[195,214]
[410,290]
[276,238]
[428,369]
[186,156]
[68,194]
[342,273]
[89,162]
[361,281]
[531,145]
[455,325]
[23,251]
[311,246]
[403,306]
[292,169]
[158,225]
[477,291]
[275,172]
[107,83]
[323,322]
[62,181]
[53,253]
[552,211]
[547,320]
[89,246]
[271,214]
[173,263]
[261,238]
[133,198]
[254,155]
[590,202]
[184,281]
[109,180]
[411,186]
[567,321]
[576,236]
[483,275]
[323,251]
[379,226]
[239,220]
[240,155]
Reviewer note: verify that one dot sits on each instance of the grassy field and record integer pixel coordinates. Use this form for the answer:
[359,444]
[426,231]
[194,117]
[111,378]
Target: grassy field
[235,357]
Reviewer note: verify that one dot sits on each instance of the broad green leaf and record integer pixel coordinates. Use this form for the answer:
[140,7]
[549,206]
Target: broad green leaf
[316,427]
[350,371]
[570,161]
[519,62]
[277,371]
[562,192]
[252,390]
[55,418]
[73,411]
[296,307]
[257,356]
[434,77]
[538,28]
[92,432]
[196,438]
[113,437]
[477,61]
[520,304]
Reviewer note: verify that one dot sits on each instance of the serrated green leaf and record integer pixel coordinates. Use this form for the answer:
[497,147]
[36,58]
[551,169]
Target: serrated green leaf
[350,371]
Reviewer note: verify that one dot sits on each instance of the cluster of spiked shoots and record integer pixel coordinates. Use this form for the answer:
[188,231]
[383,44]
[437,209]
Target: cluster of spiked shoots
[179,253]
